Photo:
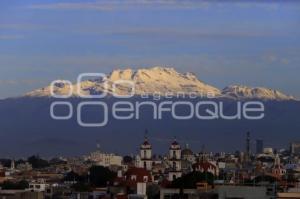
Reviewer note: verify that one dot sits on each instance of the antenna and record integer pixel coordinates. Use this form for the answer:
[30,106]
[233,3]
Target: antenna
[187,145]
[203,148]
[248,143]
[146,134]
[97,145]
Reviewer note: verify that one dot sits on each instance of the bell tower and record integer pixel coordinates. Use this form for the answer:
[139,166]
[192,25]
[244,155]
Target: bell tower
[146,154]
[174,161]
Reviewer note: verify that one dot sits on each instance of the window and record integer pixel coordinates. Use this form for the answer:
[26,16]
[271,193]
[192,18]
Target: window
[174,177]
[133,177]
[145,178]
[174,165]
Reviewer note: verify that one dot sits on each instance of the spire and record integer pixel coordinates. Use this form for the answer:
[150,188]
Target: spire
[277,160]
[175,141]
[187,146]
[248,147]
[97,145]
[146,142]
[146,135]
[248,143]
[12,164]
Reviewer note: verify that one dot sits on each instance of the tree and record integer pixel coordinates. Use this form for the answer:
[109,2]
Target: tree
[5,162]
[37,162]
[190,180]
[262,178]
[72,176]
[23,184]
[81,187]
[99,176]
[153,191]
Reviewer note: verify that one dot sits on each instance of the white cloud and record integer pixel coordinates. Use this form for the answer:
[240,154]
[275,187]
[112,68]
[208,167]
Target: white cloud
[11,37]
[111,5]
[124,5]
[14,82]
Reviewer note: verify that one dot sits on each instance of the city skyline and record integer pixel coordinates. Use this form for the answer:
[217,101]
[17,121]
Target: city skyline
[149,99]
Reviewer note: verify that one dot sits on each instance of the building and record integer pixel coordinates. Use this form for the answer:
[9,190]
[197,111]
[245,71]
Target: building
[133,184]
[259,146]
[243,192]
[187,154]
[38,186]
[20,194]
[186,193]
[247,152]
[174,161]
[295,148]
[268,151]
[278,170]
[207,166]
[24,166]
[105,159]
[221,192]
[137,175]
[144,160]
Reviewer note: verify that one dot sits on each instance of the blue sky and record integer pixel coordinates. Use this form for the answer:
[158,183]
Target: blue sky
[223,42]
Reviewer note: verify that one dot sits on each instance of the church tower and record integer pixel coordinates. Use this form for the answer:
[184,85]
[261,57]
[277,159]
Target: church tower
[146,155]
[12,164]
[174,161]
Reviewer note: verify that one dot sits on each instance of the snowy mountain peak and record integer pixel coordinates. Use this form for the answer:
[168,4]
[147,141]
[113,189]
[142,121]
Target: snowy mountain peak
[245,92]
[121,74]
[158,80]
[153,80]
[130,74]
[162,80]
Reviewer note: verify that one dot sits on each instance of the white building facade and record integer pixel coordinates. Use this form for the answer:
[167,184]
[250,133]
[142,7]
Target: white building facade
[175,170]
[144,159]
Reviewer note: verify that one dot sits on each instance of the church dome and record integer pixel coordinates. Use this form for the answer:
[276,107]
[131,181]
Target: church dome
[186,152]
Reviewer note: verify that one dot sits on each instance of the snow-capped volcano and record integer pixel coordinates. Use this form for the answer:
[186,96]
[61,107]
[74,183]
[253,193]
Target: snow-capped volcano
[156,80]
[163,80]
[244,92]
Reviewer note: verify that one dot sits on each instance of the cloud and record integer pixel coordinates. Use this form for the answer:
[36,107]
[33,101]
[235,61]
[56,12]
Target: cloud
[272,58]
[142,32]
[23,26]
[11,37]
[8,82]
[123,5]
[156,33]
[12,82]
[285,61]
[111,5]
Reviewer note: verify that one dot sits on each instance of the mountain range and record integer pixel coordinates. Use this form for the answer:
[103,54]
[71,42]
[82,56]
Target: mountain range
[26,127]
[158,80]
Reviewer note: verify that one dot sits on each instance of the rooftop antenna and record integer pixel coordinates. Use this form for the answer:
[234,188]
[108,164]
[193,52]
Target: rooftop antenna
[98,145]
[203,148]
[187,145]
[146,134]
[248,143]
[247,157]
